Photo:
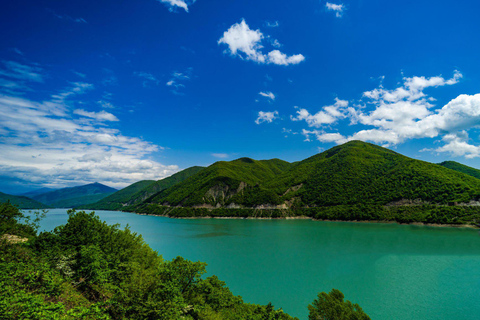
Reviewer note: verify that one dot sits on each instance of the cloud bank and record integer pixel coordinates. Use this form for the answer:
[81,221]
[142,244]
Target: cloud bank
[52,143]
[394,116]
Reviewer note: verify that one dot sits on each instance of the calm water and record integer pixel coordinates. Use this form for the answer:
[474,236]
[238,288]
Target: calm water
[392,271]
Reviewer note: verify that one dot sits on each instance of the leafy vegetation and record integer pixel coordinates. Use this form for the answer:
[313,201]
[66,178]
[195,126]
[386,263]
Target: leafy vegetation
[461,168]
[359,172]
[21,201]
[72,197]
[87,269]
[221,181]
[331,306]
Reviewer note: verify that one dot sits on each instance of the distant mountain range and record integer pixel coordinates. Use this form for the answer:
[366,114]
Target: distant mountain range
[75,196]
[34,193]
[355,175]
[140,191]
[61,198]
[354,181]
[22,201]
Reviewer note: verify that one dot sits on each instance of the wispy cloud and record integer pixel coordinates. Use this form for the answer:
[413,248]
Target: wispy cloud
[148,78]
[177,80]
[18,71]
[52,143]
[67,17]
[110,79]
[174,4]
[272,24]
[99,116]
[268,95]
[337,8]
[268,116]
[220,155]
[246,43]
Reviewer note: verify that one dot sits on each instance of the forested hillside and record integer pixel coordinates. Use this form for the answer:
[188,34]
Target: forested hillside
[21,201]
[461,168]
[140,191]
[354,181]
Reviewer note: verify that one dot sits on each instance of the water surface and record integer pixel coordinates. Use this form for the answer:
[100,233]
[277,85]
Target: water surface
[393,271]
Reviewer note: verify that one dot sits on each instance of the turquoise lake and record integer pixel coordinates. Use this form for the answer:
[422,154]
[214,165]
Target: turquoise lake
[392,271]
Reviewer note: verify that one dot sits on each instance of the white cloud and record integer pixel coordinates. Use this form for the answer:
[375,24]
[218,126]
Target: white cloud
[45,142]
[280,58]
[266,117]
[268,94]
[329,114]
[457,145]
[173,4]
[391,117]
[337,8]
[100,116]
[246,43]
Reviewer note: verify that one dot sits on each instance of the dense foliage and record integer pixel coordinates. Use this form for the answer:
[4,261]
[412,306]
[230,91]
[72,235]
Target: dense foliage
[461,168]
[87,269]
[21,201]
[221,181]
[331,306]
[359,172]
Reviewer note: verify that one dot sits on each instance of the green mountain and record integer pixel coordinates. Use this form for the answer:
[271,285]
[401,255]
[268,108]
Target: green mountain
[359,172]
[33,193]
[461,168]
[75,196]
[116,200]
[21,201]
[140,191]
[354,181]
[239,181]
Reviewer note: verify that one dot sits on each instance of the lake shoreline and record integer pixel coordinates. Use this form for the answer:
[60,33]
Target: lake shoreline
[458,226]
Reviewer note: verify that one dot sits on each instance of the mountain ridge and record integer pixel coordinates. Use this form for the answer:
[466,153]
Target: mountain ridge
[75,196]
[356,180]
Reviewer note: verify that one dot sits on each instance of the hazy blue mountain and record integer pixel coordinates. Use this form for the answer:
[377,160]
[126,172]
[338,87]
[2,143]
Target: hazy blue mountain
[75,196]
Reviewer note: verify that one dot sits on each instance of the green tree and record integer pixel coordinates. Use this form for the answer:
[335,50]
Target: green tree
[331,306]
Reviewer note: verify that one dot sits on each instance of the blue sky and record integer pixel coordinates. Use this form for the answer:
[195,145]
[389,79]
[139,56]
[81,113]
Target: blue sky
[118,92]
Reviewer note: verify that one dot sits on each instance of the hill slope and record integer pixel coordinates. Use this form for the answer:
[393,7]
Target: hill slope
[21,201]
[77,195]
[222,183]
[359,172]
[140,191]
[353,174]
[116,200]
[461,168]
[31,194]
